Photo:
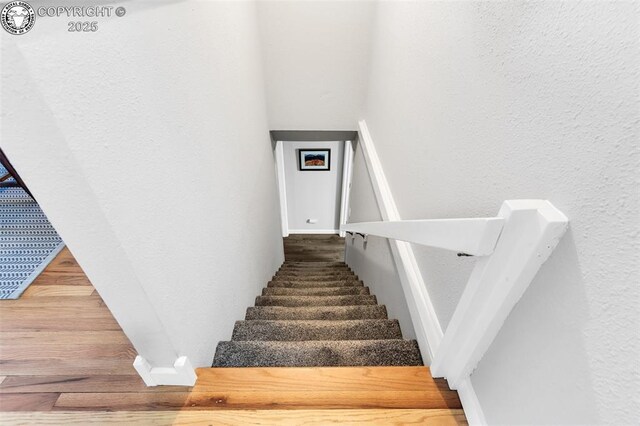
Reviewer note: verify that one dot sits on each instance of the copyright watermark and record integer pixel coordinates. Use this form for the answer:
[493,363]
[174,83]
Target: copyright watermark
[18,17]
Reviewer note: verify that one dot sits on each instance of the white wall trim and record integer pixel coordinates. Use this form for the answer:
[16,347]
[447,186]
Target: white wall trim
[314,231]
[182,373]
[282,188]
[527,232]
[472,409]
[425,321]
[347,172]
[423,315]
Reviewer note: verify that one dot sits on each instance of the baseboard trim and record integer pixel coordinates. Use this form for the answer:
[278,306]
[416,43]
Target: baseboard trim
[472,409]
[182,373]
[423,315]
[314,231]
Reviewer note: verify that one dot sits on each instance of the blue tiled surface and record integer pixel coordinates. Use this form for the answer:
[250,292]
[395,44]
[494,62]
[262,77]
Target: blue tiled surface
[28,242]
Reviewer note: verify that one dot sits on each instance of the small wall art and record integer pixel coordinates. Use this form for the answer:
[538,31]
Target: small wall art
[314,159]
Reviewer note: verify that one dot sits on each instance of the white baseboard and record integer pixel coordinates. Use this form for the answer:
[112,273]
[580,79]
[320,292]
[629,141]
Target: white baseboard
[472,409]
[182,373]
[282,188]
[314,231]
[423,315]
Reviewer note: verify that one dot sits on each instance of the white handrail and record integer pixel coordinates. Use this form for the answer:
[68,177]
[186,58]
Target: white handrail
[514,245]
[477,237]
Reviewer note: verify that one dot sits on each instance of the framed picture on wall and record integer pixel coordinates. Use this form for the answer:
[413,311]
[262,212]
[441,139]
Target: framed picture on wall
[314,159]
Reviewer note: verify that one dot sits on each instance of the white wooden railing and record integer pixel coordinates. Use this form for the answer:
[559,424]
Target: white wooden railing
[510,249]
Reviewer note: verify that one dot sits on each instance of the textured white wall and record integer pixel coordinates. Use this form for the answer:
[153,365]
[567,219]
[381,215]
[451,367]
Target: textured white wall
[316,62]
[313,194]
[373,263]
[147,145]
[472,103]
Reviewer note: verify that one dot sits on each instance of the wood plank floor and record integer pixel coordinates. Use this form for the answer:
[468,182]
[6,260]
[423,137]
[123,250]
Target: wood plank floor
[65,360]
[243,417]
[60,339]
[314,248]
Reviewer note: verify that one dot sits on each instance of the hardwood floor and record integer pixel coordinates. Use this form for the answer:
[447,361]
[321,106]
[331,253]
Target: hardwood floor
[314,248]
[245,417]
[60,340]
[65,360]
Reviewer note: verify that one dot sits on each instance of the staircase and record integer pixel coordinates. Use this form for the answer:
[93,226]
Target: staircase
[316,313]
[318,349]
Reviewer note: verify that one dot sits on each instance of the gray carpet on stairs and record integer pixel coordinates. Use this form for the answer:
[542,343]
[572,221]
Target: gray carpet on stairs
[310,284]
[314,291]
[293,330]
[316,314]
[337,353]
[315,300]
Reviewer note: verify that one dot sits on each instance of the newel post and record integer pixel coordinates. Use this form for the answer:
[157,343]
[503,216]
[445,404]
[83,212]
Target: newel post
[532,229]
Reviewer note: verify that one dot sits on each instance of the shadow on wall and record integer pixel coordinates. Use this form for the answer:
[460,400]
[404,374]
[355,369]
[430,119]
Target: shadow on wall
[445,276]
[374,264]
[526,351]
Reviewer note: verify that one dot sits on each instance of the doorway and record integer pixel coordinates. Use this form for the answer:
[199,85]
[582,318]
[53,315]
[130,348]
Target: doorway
[313,185]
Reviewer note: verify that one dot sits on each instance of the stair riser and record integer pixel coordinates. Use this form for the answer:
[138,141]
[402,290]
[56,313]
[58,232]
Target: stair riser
[310,265]
[316,330]
[316,273]
[315,278]
[317,313]
[315,300]
[314,268]
[339,267]
[320,291]
[314,284]
[321,353]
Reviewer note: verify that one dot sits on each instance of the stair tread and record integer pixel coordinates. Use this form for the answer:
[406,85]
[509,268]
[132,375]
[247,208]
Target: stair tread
[292,330]
[325,388]
[253,379]
[317,353]
[315,300]
[317,312]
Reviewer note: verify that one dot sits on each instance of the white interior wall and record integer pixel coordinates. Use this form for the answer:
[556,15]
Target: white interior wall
[146,144]
[469,104]
[313,194]
[472,103]
[316,56]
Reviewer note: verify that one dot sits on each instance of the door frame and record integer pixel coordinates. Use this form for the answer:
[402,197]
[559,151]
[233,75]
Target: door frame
[347,173]
[282,188]
[347,169]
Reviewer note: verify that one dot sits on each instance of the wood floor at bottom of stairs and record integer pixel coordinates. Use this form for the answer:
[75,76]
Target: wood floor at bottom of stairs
[297,395]
[242,417]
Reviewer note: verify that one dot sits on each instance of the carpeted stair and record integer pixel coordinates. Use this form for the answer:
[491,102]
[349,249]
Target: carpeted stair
[316,314]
